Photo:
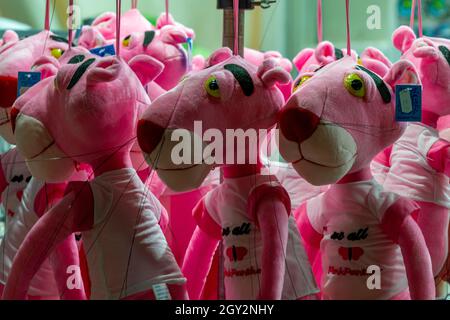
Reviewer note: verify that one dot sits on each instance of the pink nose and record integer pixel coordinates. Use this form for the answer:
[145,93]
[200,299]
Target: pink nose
[149,135]
[298,124]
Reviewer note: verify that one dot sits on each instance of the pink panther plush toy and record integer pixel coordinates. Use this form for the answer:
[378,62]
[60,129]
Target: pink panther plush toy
[56,119]
[249,212]
[331,128]
[419,162]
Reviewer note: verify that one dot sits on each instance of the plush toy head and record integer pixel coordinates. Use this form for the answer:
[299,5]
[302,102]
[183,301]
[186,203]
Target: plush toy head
[163,45]
[309,60]
[339,119]
[86,113]
[103,28]
[231,94]
[431,56]
[20,57]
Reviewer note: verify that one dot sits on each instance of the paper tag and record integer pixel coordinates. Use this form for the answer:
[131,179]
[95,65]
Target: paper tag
[190,47]
[408,106]
[161,292]
[105,51]
[25,80]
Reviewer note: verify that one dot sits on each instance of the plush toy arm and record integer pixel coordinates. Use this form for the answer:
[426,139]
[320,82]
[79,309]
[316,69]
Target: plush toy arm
[200,252]
[310,236]
[439,157]
[66,253]
[402,229]
[73,213]
[273,216]
[64,257]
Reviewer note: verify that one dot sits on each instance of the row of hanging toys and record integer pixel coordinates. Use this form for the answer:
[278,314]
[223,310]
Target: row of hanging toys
[25,198]
[356,222]
[417,165]
[106,207]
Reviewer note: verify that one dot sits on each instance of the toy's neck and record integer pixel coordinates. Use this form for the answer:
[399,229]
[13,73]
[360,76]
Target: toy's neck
[240,171]
[362,175]
[430,118]
[118,161]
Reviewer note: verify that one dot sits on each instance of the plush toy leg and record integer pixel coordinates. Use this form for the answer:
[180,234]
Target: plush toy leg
[433,220]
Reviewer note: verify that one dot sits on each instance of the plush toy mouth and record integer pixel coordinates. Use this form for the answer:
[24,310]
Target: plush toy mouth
[8,89]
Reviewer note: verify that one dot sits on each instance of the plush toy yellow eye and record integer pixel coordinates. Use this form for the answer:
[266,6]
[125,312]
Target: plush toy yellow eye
[212,87]
[355,85]
[301,82]
[126,41]
[57,53]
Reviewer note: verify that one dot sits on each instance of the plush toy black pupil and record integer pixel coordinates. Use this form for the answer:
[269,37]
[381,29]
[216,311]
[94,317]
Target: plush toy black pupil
[213,85]
[357,84]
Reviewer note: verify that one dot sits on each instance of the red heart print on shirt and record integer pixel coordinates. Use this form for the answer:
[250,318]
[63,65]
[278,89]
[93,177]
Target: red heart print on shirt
[351,254]
[236,253]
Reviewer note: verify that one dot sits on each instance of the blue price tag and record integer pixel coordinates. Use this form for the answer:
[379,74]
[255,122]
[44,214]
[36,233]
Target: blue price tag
[25,80]
[105,51]
[408,106]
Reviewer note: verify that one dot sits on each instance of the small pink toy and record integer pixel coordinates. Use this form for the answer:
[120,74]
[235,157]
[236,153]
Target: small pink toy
[55,122]
[330,130]
[165,46]
[249,211]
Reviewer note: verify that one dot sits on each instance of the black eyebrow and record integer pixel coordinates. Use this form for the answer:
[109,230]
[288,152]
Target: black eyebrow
[148,38]
[339,54]
[79,73]
[76,59]
[446,53]
[381,85]
[59,39]
[242,77]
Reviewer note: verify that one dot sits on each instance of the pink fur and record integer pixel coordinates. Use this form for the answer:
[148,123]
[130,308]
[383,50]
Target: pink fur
[233,108]
[105,102]
[324,154]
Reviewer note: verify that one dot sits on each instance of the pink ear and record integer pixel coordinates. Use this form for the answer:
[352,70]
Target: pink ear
[108,69]
[198,63]
[10,36]
[48,66]
[272,73]
[402,72]
[91,38]
[163,21]
[403,38]
[173,35]
[219,56]
[373,59]
[302,58]
[146,68]
[427,53]
[106,24]
[325,53]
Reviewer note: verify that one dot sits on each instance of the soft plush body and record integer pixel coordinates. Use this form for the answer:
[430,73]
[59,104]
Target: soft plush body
[248,204]
[55,122]
[330,130]
[418,164]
